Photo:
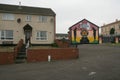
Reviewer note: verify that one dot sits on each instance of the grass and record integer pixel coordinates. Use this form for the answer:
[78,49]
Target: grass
[6,49]
[113,44]
[41,47]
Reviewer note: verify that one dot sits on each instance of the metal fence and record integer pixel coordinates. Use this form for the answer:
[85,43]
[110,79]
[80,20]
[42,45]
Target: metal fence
[110,39]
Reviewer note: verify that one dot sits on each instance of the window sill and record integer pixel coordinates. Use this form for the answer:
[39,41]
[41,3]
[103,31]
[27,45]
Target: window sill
[6,40]
[8,20]
[42,40]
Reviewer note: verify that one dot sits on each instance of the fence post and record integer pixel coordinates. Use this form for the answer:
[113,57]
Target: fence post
[116,40]
[100,40]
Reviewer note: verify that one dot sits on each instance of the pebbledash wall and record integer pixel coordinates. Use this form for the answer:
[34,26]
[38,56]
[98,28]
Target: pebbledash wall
[28,23]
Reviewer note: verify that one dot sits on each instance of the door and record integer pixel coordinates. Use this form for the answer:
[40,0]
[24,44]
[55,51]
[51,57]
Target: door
[28,31]
[27,36]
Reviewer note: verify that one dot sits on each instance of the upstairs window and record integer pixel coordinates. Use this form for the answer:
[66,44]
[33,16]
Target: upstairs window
[119,26]
[41,35]
[28,18]
[7,16]
[43,19]
[6,35]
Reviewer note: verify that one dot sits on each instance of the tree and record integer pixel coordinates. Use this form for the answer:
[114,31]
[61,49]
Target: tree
[112,31]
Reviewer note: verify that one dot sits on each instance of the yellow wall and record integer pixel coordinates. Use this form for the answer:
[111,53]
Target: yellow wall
[79,36]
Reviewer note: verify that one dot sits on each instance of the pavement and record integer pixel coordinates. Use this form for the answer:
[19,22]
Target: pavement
[95,62]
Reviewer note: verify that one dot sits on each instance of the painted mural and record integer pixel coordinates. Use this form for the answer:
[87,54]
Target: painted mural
[84,32]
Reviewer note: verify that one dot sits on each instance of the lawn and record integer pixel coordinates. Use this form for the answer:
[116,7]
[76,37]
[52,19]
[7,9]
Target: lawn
[41,47]
[113,44]
[6,49]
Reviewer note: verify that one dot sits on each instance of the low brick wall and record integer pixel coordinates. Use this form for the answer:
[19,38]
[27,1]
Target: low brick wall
[6,58]
[37,55]
[18,47]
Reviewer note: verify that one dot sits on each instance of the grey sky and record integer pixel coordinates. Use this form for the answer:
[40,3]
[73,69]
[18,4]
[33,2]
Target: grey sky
[69,12]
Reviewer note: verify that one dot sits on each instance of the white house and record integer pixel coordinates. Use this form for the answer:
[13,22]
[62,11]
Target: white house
[34,24]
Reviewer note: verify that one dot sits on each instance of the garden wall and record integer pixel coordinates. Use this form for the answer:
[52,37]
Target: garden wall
[37,55]
[18,47]
[6,58]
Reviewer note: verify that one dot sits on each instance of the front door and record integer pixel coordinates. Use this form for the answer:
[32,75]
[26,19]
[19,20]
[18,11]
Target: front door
[28,32]
[27,36]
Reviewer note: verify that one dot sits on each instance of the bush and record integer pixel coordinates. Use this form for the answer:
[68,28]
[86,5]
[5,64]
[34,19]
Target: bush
[54,45]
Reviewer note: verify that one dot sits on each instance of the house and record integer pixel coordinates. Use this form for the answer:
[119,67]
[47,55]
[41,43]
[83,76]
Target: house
[32,24]
[61,36]
[84,32]
[111,29]
[111,32]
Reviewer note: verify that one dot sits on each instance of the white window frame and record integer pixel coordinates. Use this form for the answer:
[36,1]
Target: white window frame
[28,18]
[40,38]
[8,16]
[4,36]
[43,19]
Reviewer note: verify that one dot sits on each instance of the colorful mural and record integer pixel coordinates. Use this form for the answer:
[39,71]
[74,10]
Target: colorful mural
[84,32]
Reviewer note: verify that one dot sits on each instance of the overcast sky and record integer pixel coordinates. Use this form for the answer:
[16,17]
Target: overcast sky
[69,12]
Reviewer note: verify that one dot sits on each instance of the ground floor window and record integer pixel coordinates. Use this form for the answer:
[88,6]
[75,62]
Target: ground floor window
[6,34]
[41,35]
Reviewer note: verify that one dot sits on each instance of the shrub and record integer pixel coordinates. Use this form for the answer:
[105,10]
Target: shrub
[54,45]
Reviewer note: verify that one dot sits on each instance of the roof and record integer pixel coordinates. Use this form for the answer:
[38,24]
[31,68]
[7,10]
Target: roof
[5,8]
[83,20]
[111,23]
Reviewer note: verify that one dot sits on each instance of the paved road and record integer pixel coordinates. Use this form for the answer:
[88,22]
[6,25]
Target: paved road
[96,62]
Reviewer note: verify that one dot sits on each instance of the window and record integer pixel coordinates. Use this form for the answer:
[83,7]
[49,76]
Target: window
[43,19]
[41,35]
[119,26]
[8,16]
[6,35]
[28,18]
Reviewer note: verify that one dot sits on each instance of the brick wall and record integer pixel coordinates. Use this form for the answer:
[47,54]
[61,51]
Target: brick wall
[6,57]
[62,43]
[37,55]
[9,57]
[18,47]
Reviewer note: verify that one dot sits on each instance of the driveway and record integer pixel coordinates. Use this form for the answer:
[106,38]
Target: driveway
[95,62]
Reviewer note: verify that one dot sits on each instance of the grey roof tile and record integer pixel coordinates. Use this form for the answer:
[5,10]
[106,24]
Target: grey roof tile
[5,8]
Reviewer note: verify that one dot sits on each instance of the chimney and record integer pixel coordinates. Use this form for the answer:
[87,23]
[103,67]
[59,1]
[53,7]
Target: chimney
[19,6]
[116,20]
[103,24]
